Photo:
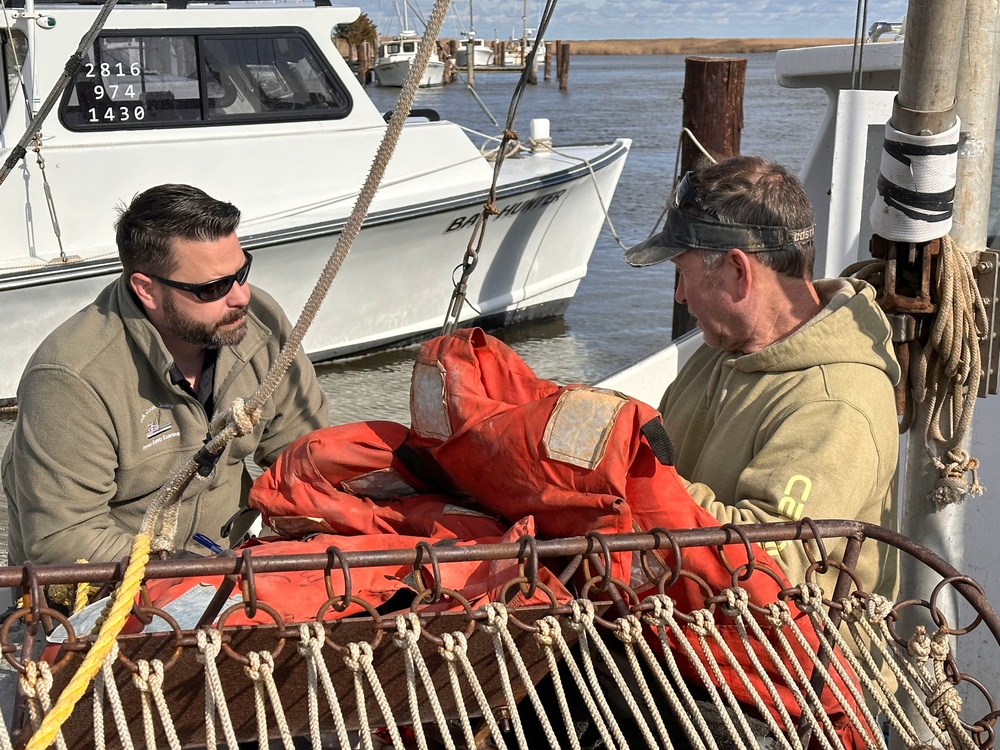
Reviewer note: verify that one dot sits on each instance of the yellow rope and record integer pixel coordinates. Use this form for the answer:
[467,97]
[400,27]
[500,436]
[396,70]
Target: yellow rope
[124,597]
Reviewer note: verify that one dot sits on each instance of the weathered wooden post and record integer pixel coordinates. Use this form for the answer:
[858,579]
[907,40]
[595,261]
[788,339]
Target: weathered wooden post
[532,63]
[550,52]
[470,61]
[364,62]
[713,112]
[563,66]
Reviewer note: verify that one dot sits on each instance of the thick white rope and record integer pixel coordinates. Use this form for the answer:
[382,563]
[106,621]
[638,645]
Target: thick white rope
[490,628]
[261,672]
[456,689]
[575,622]
[547,641]
[738,608]
[104,682]
[148,679]
[497,618]
[661,617]
[780,617]
[407,638]
[36,687]
[209,646]
[704,627]
[582,621]
[312,638]
[860,618]
[456,648]
[358,659]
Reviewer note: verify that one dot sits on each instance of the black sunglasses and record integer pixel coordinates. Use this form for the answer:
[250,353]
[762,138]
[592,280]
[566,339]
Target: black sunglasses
[210,291]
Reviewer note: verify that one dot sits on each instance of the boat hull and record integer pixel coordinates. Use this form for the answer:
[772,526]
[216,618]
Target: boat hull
[397,281]
[395,73]
[481,56]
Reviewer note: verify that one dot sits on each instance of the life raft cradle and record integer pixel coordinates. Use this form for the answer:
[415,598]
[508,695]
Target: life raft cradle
[468,674]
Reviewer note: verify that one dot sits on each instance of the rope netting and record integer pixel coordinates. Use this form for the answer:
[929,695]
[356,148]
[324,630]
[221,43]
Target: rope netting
[615,665]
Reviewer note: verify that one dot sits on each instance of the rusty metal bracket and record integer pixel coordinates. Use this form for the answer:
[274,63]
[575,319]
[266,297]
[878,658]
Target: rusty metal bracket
[989,347]
[909,269]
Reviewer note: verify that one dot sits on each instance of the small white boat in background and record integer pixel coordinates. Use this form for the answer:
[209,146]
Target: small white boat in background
[255,105]
[482,53]
[392,66]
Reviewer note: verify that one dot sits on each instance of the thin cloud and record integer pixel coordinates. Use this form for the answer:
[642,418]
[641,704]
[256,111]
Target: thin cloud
[652,19]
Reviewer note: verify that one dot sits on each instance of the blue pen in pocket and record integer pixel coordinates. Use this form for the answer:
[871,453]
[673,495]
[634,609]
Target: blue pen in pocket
[204,541]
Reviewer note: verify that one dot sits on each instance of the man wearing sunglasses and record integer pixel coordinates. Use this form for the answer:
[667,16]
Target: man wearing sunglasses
[121,394]
[787,411]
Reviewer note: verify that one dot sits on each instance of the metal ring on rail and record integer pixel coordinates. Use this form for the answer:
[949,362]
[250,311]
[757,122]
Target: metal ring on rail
[455,597]
[644,563]
[144,601]
[942,623]
[365,605]
[528,564]
[751,563]
[824,558]
[838,566]
[247,585]
[25,612]
[268,609]
[895,615]
[510,614]
[962,677]
[985,726]
[618,584]
[146,615]
[606,552]
[418,575]
[773,575]
[332,553]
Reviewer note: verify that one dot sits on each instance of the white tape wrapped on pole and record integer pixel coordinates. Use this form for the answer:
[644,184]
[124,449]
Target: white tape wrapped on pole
[927,174]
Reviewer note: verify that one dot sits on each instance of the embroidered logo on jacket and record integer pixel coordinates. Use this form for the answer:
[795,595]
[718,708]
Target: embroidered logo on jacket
[157,429]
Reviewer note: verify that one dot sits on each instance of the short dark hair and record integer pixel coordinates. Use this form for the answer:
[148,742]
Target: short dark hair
[154,218]
[752,190]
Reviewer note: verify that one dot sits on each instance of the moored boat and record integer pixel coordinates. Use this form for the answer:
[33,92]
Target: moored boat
[255,105]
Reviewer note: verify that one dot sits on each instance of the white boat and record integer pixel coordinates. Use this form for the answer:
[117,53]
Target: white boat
[392,66]
[482,53]
[517,50]
[255,105]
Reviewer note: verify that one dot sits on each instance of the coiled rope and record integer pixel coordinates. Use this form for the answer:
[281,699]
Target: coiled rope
[241,417]
[944,373]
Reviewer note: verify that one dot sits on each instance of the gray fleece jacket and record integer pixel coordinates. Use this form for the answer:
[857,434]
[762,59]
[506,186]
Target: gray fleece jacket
[101,427]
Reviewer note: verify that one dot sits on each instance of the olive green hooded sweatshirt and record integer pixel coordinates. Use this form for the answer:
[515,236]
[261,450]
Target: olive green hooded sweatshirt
[805,427]
[101,426]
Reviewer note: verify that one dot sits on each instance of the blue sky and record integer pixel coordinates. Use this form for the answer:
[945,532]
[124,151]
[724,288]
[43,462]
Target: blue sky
[649,19]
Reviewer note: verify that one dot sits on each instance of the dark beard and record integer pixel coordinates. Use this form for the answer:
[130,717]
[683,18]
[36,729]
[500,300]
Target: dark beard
[205,335]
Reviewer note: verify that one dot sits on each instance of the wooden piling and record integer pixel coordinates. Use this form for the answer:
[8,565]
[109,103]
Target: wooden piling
[563,66]
[364,62]
[550,52]
[470,61]
[713,112]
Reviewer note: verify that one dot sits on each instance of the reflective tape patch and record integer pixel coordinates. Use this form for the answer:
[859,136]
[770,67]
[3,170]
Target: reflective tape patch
[580,424]
[383,484]
[296,527]
[428,407]
[459,510]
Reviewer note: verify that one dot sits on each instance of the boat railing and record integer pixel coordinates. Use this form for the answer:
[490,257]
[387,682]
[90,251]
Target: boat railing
[485,667]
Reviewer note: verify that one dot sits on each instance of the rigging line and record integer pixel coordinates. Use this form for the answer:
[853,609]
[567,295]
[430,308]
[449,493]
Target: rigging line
[858,31]
[69,71]
[471,258]
[861,48]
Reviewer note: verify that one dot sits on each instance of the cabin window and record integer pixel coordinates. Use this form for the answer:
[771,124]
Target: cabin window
[147,80]
[15,49]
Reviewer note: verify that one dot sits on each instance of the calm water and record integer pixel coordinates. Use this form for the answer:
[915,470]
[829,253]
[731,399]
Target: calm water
[619,313]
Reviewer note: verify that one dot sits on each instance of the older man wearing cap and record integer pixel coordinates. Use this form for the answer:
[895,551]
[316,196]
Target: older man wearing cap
[787,410]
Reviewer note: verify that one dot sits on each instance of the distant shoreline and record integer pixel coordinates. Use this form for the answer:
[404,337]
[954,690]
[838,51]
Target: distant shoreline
[691,45]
